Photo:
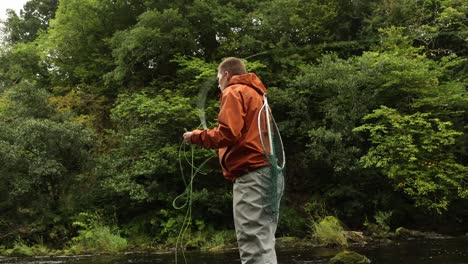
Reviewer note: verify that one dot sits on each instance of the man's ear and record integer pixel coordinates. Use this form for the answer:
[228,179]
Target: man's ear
[228,75]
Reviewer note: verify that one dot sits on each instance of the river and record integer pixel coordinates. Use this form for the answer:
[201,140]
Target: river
[426,251]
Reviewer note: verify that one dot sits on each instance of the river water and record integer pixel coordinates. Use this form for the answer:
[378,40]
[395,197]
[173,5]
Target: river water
[433,251]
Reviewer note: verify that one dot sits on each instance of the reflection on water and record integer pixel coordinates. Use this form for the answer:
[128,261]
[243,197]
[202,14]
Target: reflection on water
[441,251]
[434,251]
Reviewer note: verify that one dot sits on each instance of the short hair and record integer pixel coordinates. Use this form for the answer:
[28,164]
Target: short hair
[233,65]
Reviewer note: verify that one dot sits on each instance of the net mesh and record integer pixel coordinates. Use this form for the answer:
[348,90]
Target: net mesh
[272,144]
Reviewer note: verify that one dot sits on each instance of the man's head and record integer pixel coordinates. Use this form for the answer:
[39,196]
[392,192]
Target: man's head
[227,68]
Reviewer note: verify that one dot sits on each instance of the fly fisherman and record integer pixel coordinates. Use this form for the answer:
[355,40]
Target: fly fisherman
[243,161]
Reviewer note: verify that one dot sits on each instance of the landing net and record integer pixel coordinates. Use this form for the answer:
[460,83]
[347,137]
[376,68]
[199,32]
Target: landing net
[272,144]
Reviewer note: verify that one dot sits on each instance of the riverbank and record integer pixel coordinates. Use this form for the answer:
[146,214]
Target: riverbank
[353,238]
[225,243]
[414,251]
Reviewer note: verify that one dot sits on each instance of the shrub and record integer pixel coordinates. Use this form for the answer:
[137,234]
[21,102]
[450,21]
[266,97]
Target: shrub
[94,236]
[381,228]
[291,223]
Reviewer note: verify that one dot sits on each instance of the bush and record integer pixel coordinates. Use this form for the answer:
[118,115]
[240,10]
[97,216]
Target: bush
[381,228]
[95,237]
[291,223]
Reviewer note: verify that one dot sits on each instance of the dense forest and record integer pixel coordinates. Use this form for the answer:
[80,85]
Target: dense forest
[370,98]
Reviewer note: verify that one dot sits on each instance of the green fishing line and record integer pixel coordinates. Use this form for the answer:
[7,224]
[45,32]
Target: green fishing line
[187,194]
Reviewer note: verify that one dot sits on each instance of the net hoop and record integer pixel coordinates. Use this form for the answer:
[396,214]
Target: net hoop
[266,108]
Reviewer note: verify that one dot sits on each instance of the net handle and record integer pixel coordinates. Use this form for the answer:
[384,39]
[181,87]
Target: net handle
[266,108]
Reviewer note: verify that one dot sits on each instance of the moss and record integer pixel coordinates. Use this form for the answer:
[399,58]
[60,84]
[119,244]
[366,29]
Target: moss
[349,257]
[328,232]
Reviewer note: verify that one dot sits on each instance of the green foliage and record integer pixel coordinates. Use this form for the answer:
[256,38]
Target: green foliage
[330,99]
[149,46]
[329,232]
[291,30]
[382,219]
[95,95]
[21,249]
[414,152]
[291,223]
[42,155]
[33,18]
[77,47]
[316,210]
[221,238]
[94,236]
[349,257]
[148,153]
[437,25]
[21,62]
[141,230]
[206,237]
[381,227]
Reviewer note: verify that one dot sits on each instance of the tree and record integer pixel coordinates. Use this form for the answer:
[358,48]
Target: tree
[414,152]
[42,156]
[439,26]
[33,18]
[77,47]
[144,52]
[20,62]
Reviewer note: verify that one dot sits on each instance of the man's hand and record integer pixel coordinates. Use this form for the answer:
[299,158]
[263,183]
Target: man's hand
[188,137]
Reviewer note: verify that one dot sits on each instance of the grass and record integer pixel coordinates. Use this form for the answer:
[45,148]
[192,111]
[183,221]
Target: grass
[98,239]
[329,232]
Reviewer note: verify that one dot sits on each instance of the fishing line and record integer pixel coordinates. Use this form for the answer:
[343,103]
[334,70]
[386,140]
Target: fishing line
[202,95]
[256,54]
[188,194]
[194,170]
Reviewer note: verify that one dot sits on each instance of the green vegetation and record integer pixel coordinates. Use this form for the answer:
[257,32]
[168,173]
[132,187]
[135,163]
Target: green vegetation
[21,249]
[370,97]
[381,227]
[349,257]
[328,232]
[93,236]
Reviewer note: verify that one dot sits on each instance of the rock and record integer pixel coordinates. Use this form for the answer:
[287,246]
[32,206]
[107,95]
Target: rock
[217,248]
[287,240]
[355,236]
[382,241]
[404,233]
[292,242]
[221,248]
[349,257]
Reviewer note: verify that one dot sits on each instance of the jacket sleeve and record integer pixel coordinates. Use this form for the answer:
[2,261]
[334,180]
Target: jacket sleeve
[231,121]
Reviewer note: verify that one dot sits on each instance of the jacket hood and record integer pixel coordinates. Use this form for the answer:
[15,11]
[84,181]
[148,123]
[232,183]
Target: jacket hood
[249,79]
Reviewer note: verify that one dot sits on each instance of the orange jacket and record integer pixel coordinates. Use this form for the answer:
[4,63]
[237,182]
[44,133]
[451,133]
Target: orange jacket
[237,136]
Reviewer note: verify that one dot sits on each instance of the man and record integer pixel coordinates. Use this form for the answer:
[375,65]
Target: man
[243,161]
